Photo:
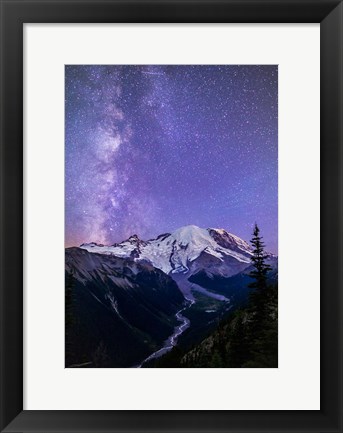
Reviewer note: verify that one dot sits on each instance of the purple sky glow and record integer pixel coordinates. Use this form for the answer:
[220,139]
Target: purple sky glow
[152,148]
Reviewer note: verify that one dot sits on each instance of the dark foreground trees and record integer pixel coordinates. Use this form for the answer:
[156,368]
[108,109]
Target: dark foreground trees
[248,338]
[262,326]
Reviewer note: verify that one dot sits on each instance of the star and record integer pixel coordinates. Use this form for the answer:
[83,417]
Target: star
[151,148]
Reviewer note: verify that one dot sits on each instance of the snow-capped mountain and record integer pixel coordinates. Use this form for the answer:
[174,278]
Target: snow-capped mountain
[125,301]
[185,251]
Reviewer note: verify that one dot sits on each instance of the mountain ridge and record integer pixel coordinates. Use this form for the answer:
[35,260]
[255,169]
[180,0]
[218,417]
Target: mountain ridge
[147,293]
[128,307]
[176,252]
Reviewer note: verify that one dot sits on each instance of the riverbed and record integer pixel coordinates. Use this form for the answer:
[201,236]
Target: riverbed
[172,340]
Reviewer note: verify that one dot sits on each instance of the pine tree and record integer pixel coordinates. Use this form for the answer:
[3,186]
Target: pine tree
[239,348]
[262,310]
[69,288]
[259,261]
[216,361]
[69,316]
[100,356]
[258,297]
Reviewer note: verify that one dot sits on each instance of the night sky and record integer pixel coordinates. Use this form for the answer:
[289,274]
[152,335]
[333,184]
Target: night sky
[152,148]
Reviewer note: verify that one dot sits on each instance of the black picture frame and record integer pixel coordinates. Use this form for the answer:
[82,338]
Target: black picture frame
[14,13]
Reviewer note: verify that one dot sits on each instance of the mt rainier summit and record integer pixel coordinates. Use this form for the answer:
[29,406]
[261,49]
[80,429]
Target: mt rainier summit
[186,251]
[138,299]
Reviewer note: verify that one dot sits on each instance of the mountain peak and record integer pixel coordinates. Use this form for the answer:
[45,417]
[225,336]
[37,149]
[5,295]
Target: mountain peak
[185,250]
[220,231]
[133,238]
[191,227]
[91,244]
[228,240]
[188,228]
[190,233]
[135,241]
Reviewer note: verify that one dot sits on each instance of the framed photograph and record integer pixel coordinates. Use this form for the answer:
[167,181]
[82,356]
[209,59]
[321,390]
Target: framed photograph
[151,286]
[171,237]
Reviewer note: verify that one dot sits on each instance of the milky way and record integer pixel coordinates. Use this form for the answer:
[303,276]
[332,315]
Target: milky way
[152,148]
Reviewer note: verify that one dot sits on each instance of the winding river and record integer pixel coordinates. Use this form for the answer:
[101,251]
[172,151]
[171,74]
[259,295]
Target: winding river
[187,288]
[172,340]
